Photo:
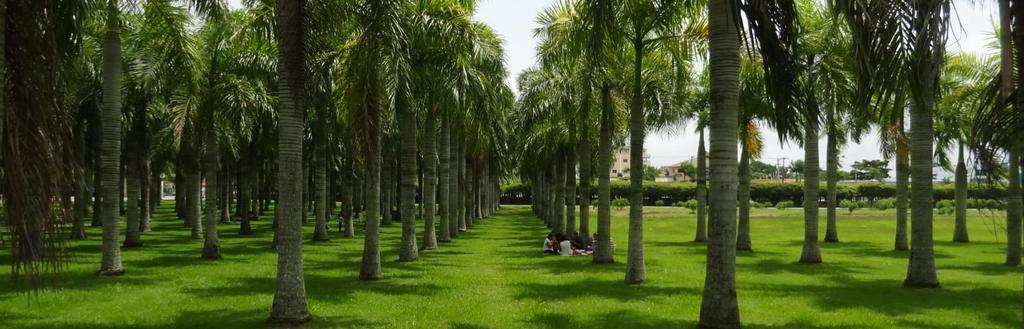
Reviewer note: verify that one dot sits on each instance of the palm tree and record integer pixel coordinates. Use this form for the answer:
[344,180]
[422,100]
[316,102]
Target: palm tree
[34,136]
[776,36]
[375,42]
[998,126]
[110,157]
[1015,150]
[753,105]
[641,23]
[890,54]
[825,39]
[964,83]
[701,234]
[290,296]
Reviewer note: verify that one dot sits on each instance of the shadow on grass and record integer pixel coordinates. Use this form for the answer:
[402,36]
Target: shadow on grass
[618,319]
[863,249]
[217,318]
[319,287]
[590,287]
[984,268]
[888,297]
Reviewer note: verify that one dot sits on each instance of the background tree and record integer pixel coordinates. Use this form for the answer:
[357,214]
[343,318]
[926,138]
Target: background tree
[889,55]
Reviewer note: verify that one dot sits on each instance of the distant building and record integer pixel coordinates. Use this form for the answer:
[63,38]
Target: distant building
[673,173]
[620,163]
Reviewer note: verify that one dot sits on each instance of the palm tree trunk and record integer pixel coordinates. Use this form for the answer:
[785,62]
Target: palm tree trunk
[211,243]
[347,199]
[122,184]
[719,307]
[157,186]
[558,204]
[429,191]
[110,156]
[603,253]
[145,193]
[1013,205]
[921,271]
[455,205]
[635,270]
[743,198]
[195,186]
[225,177]
[960,230]
[385,180]
[407,202]
[97,179]
[180,189]
[289,306]
[570,196]
[132,235]
[460,182]
[133,171]
[305,191]
[370,267]
[811,251]
[902,182]
[81,197]
[832,179]
[444,147]
[320,183]
[702,190]
[245,196]
[583,156]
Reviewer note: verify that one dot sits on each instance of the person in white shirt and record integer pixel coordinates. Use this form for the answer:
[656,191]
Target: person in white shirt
[565,246]
[550,244]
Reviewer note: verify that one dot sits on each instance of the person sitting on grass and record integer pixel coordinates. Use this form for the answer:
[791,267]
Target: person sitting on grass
[577,241]
[592,244]
[550,244]
[565,247]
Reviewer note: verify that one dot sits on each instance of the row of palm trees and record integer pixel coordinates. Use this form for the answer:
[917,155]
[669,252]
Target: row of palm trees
[840,69]
[377,103]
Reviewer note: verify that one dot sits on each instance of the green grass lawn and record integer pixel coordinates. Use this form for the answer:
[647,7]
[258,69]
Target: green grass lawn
[495,277]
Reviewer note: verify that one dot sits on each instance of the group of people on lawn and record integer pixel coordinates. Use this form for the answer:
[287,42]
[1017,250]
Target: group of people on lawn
[558,244]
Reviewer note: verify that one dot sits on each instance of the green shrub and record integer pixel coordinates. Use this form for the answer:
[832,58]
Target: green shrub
[851,205]
[691,204]
[679,204]
[620,203]
[945,204]
[782,205]
[885,204]
[995,204]
[766,192]
[659,203]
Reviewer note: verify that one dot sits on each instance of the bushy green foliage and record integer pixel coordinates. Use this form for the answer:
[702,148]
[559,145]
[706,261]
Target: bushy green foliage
[659,203]
[679,204]
[691,204]
[620,203]
[885,204]
[989,204]
[945,207]
[771,193]
[782,205]
[851,205]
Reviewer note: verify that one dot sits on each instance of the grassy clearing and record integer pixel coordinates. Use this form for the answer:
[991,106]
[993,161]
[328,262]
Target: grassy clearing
[495,277]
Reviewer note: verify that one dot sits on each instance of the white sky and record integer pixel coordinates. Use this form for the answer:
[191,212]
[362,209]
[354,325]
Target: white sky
[514,20]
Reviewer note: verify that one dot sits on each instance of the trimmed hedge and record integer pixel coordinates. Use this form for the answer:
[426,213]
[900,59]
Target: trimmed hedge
[761,192]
